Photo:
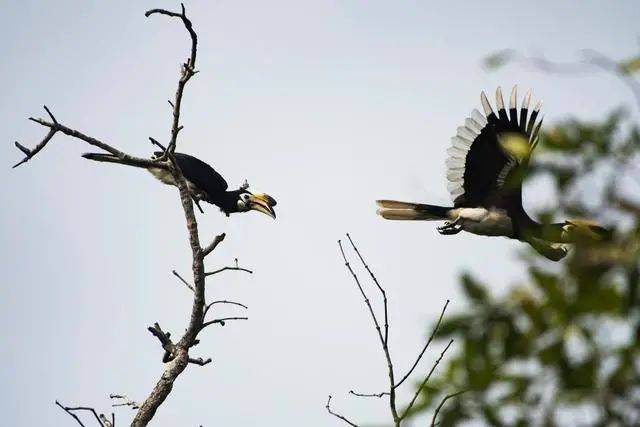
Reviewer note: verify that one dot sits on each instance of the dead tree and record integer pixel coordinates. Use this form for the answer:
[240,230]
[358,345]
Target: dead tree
[177,353]
[399,415]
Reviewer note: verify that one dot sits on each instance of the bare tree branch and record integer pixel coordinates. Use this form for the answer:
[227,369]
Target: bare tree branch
[375,280]
[54,127]
[384,341]
[220,270]
[221,321]
[199,361]
[165,341]
[384,393]
[69,410]
[175,273]
[227,302]
[447,397]
[335,414]
[123,400]
[213,245]
[424,382]
[424,349]
[188,70]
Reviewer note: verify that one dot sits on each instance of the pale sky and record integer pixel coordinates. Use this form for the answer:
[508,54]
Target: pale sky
[326,105]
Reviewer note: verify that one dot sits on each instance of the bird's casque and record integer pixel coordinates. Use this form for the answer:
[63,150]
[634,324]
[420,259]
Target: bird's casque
[487,162]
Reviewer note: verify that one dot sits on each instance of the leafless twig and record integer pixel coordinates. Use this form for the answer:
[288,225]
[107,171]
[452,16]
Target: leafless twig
[99,419]
[378,395]
[384,341]
[221,321]
[335,414]
[175,273]
[220,270]
[123,401]
[424,349]
[213,245]
[424,382]
[442,402]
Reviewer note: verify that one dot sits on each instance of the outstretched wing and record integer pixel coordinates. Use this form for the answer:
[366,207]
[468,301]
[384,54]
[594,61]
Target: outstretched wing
[487,148]
[203,176]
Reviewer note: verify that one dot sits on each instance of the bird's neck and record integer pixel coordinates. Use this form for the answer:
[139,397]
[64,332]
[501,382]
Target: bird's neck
[228,201]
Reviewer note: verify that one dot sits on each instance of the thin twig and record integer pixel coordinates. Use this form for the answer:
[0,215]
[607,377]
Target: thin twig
[424,382]
[55,127]
[220,270]
[384,393]
[208,306]
[199,361]
[221,321]
[380,288]
[335,414]
[383,342]
[188,70]
[447,397]
[157,144]
[175,273]
[211,246]
[69,410]
[227,302]
[74,416]
[424,349]
[125,401]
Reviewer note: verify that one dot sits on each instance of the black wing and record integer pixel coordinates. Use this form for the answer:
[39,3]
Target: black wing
[481,159]
[201,175]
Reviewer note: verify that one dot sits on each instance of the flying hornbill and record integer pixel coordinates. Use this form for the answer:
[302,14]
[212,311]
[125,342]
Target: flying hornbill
[205,184]
[487,161]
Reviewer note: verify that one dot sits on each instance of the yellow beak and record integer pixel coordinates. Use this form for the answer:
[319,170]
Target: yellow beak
[262,203]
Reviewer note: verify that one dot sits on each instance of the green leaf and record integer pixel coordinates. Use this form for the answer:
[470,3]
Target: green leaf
[630,66]
[498,59]
[550,285]
[552,354]
[473,289]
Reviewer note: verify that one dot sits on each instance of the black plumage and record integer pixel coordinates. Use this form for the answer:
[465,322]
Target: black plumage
[204,183]
[485,169]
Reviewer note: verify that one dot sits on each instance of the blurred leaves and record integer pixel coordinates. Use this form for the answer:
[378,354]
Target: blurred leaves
[569,333]
[631,66]
[498,59]
[515,145]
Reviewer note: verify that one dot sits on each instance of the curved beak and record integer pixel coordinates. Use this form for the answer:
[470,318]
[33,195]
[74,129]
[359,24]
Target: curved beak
[263,203]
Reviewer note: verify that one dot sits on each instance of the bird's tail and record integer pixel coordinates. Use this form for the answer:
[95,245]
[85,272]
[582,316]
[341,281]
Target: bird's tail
[109,158]
[392,209]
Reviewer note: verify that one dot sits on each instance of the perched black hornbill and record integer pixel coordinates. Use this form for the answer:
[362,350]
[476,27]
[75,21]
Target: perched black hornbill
[486,164]
[205,184]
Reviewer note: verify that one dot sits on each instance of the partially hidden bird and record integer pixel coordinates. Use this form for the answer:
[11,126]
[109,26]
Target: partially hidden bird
[487,162]
[204,184]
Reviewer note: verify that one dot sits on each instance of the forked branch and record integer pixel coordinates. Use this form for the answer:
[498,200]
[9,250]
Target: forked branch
[383,338]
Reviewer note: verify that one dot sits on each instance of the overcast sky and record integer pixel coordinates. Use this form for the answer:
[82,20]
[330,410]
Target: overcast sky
[326,105]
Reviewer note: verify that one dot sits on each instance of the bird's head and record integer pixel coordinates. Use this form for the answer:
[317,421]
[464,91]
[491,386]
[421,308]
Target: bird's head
[261,202]
[577,230]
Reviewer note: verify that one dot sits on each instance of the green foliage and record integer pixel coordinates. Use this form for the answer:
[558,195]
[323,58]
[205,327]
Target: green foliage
[569,334]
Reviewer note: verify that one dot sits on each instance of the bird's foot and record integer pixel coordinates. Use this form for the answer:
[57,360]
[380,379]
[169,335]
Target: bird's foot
[449,228]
